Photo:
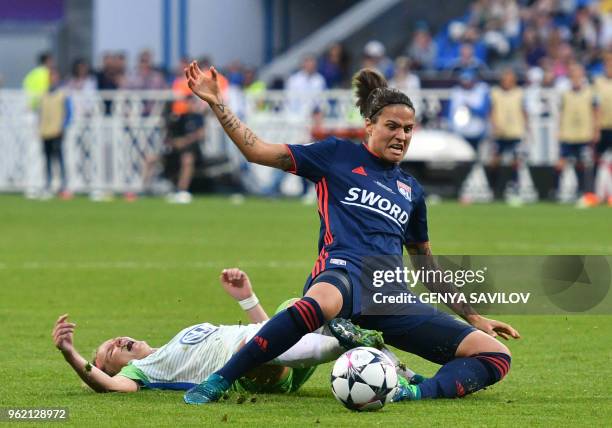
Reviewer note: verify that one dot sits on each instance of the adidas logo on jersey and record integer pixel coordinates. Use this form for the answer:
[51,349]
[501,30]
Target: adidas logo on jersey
[359,170]
[262,343]
[374,202]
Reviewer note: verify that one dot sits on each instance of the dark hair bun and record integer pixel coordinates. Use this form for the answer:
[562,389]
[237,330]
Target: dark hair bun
[365,81]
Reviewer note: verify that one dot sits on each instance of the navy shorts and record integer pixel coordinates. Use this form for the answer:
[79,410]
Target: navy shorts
[506,145]
[339,279]
[573,150]
[434,336]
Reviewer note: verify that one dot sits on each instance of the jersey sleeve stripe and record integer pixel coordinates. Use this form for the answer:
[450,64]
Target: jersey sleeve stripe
[328,236]
[294,169]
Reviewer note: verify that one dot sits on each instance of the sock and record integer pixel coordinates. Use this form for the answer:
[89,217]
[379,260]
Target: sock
[580,175]
[466,375]
[514,176]
[275,337]
[312,349]
[558,172]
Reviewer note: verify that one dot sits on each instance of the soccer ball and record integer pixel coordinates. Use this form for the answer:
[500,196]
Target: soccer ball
[364,379]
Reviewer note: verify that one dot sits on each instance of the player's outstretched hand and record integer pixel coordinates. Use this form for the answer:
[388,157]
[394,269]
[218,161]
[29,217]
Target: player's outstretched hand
[63,333]
[495,328]
[203,84]
[236,283]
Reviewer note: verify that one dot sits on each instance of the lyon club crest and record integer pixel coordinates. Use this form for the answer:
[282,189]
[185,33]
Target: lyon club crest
[405,190]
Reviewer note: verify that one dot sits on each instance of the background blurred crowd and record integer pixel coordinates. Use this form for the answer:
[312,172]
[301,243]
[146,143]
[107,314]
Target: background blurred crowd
[543,43]
[493,34]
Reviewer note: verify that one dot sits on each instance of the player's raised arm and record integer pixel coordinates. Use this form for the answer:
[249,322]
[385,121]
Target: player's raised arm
[237,284]
[422,258]
[96,379]
[255,150]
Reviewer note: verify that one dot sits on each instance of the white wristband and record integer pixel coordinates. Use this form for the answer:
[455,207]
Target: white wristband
[249,302]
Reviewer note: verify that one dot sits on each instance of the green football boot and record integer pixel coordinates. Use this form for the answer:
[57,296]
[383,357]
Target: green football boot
[406,391]
[351,336]
[211,390]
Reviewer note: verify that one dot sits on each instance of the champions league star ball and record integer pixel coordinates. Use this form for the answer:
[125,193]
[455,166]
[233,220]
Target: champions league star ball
[364,379]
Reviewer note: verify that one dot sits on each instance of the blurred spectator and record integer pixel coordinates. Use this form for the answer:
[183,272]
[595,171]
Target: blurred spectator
[252,85]
[55,112]
[82,82]
[467,61]
[81,78]
[146,76]
[181,89]
[38,80]
[234,73]
[603,89]
[508,120]
[182,151]
[374,57]
[532,49]
[403,78]
[334,66]
[469,108]
[533,91]
[304,86]
[584,30]
[422,50]
[111,76]
[408,82]
[577,128]
[108,76]
[562,57]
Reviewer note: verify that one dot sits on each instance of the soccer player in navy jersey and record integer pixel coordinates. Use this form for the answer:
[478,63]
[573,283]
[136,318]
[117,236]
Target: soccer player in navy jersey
[368,207]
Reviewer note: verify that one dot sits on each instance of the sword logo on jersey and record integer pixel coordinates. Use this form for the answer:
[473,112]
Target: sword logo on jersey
[374,202]
[197,334]
[405,190]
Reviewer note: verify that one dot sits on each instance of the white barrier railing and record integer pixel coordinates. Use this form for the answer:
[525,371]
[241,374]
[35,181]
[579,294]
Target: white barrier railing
[112,131]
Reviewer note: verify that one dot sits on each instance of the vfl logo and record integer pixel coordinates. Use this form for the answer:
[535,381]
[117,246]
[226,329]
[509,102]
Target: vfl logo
[405,190]
[197,334]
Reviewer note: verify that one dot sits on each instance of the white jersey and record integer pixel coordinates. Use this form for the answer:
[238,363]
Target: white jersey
[194,353]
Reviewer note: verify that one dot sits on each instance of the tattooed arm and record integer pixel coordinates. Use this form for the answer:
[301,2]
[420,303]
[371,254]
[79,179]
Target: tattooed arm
[254,149]
[422,257]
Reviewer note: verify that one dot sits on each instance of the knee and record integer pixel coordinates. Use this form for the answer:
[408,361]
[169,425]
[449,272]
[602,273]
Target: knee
[328,298]
[479,342]
[498,347]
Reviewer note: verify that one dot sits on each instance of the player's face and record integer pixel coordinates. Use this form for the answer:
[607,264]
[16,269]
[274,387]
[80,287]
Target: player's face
[576,76]
[389,137]
[114,354]
[508,80]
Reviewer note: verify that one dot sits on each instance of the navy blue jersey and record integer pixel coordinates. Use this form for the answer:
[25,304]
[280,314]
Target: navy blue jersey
[367,206]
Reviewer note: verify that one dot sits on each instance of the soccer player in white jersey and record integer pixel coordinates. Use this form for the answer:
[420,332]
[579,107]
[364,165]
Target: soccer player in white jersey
[124,364]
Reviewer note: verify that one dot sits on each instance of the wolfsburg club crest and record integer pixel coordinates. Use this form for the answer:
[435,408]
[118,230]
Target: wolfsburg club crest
[405,190]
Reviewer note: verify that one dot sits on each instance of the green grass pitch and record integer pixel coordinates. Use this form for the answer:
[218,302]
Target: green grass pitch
[148,269]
